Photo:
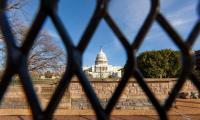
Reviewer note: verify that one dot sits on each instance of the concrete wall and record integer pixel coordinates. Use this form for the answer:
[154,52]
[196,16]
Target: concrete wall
[132,97]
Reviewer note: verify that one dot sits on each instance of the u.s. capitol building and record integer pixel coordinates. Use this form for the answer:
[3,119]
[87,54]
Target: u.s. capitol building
[102,69]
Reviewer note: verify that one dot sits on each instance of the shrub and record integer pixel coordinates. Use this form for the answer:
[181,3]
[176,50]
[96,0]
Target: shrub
[159,64]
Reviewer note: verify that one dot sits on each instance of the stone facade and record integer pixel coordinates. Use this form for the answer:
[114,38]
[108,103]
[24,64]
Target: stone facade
[101,68]
[132,97]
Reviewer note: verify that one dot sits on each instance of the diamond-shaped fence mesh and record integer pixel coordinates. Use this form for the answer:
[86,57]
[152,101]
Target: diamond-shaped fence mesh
[17,57]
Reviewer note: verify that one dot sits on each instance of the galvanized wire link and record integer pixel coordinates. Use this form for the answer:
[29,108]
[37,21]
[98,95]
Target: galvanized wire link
[16,62]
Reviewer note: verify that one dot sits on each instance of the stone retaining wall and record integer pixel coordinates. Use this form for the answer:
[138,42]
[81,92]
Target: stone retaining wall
[132,97]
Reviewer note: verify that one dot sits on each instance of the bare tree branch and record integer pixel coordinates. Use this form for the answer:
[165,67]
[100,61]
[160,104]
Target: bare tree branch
[45,53]
[16,4]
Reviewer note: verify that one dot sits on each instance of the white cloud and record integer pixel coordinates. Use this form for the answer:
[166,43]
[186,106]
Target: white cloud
[164,4]
[182,19]
[182,10]
[153,37]
[53,34]
[129,15]
[183,16]
[181,22]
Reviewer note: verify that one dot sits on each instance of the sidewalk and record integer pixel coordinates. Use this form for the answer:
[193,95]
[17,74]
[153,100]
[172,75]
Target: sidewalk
[186,109]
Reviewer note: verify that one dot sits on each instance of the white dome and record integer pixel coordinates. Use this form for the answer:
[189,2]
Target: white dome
[101,58]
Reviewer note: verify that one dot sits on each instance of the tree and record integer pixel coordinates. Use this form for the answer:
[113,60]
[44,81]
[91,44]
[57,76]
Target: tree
[196,67]
[48,74]
[45,54]
[14,5]
[159,64]
[196,71]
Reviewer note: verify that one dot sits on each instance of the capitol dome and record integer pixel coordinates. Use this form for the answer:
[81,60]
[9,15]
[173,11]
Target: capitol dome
[101,58]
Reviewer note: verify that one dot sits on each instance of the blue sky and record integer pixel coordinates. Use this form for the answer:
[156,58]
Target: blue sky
[129,15]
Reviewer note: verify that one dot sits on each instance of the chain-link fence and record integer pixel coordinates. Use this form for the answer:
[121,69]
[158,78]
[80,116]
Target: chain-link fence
[16,62]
